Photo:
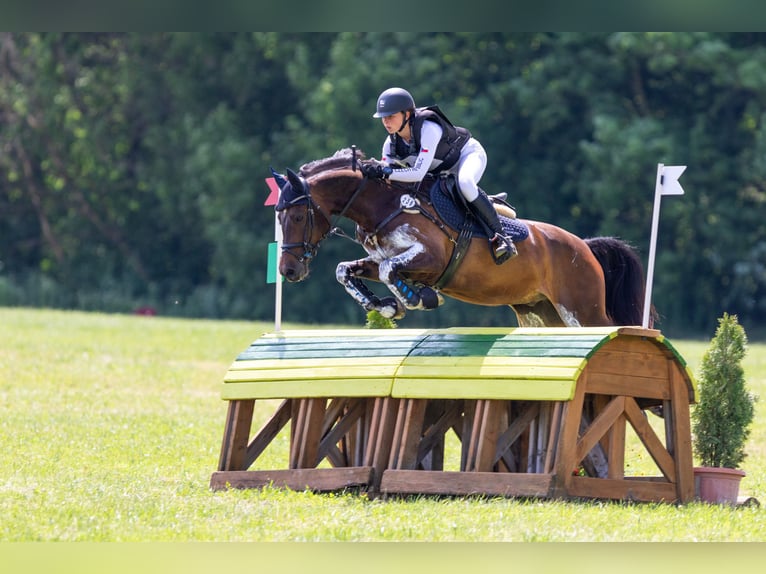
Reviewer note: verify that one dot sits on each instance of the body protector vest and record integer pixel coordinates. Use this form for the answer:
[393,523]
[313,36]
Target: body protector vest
[447,151]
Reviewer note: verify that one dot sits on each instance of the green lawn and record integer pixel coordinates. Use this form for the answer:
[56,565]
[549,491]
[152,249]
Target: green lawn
[111,426]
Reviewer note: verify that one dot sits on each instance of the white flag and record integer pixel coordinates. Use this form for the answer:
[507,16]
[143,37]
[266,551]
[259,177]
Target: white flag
[669,179]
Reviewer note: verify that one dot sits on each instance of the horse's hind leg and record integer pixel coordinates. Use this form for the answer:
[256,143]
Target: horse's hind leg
[540,314]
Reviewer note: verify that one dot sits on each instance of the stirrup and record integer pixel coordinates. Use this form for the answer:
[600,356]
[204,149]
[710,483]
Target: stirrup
[502,249]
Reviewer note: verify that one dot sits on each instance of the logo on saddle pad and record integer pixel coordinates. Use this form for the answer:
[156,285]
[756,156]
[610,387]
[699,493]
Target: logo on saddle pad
[409,204]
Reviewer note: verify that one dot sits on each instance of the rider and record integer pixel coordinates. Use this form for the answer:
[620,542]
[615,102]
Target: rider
[423,140]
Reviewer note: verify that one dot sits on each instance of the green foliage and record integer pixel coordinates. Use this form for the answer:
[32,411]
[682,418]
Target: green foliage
[135,161]
[722,418]
[377,321]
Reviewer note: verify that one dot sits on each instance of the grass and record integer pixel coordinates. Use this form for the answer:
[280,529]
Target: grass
[111,426]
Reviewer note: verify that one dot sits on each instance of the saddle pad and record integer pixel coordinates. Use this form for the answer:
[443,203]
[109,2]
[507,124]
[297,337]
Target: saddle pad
[454,215]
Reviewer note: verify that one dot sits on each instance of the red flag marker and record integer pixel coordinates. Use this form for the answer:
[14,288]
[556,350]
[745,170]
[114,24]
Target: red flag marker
[274,195]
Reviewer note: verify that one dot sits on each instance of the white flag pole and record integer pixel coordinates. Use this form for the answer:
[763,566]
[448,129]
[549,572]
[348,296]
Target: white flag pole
[652,246]
[666,184]
[278,286]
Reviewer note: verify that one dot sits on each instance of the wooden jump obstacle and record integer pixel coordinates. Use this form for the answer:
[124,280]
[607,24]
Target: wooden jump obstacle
[537,412]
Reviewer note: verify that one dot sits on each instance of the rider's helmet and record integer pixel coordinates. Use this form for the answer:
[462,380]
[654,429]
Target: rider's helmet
[393,100]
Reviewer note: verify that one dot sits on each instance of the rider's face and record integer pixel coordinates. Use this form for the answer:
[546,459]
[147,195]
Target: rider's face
[393,122]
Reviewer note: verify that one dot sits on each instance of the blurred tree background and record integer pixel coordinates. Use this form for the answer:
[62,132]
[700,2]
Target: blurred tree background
[132,166]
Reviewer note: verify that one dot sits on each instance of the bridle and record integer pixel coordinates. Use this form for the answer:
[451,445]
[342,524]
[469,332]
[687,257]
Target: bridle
[309,249]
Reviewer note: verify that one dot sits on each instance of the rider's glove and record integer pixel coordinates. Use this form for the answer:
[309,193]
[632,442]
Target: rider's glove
[376,170]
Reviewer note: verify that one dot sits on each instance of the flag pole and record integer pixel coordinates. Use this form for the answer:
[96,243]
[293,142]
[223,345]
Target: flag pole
[652,247]
[278,286]
[272,267]
[666,184]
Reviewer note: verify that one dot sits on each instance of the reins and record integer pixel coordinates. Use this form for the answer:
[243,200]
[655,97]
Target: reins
[310,249]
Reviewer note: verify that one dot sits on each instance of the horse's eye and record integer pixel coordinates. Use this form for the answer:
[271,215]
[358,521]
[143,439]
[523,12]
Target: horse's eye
[298,218]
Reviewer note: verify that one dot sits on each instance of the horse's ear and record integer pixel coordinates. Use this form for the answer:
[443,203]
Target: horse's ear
[279,178]
[294,179]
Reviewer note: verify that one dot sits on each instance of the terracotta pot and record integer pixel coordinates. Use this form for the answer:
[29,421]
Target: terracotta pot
[717,485]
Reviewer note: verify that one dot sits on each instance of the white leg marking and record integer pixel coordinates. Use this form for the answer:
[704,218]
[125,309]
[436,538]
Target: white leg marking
[568,317]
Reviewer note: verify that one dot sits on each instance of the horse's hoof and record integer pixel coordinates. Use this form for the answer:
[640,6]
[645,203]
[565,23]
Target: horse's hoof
[430,298]
[390,308]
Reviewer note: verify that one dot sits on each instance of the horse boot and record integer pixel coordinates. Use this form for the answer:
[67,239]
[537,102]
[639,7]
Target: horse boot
[502,247]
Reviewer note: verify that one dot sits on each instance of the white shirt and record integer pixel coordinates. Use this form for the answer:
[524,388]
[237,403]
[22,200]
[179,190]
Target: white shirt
[417,166]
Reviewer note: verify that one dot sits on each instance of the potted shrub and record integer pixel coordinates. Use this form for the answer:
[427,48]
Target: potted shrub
[722,417]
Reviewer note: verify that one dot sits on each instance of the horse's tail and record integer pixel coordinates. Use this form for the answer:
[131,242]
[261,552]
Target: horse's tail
[624,278]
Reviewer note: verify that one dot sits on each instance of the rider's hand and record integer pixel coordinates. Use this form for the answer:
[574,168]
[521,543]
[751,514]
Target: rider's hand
[375,170]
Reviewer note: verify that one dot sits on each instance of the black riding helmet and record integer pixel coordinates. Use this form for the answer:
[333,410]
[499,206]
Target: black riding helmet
[394,100]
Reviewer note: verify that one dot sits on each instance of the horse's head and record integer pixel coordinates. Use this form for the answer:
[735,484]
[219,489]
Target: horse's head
[312,199]
[302,230]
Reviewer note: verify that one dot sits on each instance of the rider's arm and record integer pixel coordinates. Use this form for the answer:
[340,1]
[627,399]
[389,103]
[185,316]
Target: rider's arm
[430,134]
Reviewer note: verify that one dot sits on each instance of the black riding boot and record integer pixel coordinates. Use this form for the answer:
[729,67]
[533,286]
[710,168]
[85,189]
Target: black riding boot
[502,246]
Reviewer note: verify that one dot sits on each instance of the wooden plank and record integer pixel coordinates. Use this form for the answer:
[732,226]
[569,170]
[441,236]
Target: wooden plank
[465,483]
[553,437]
[474,436]
[304,444]
[599,427]
[616,448]
[239,418]
[639,332]
[295,342]
[477,368]
[627,489]
[267,433]
[517,426]
[409,427]
[561,346]
[333,435]
[543,433]
[681,434]
[338,387]
[627,384]
[334,411]
[317,479]
[434,434]
[566,462]
[489,431]
[646,365]
[496,389]
[383,428]
[285,368]
[649,438]
[516,365]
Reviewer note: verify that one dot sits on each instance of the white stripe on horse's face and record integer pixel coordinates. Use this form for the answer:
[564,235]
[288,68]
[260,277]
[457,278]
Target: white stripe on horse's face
[395,251]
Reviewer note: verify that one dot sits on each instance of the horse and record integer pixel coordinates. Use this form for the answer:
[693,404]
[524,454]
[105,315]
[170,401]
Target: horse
[556,280]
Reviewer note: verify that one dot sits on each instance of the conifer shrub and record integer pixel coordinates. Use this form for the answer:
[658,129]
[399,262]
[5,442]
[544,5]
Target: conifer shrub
[722,417]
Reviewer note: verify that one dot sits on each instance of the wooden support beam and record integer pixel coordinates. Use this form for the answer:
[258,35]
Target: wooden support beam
[239,419]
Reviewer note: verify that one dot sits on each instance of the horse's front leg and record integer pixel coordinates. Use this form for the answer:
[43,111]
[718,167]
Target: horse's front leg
[390,272]
[350,274]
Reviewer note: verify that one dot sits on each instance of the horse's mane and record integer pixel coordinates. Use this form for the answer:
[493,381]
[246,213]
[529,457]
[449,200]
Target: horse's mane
[341,159]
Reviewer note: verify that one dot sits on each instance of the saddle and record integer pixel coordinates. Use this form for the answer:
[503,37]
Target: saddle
[452,208]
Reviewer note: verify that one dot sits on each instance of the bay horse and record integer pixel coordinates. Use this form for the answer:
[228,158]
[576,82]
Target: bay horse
[556,280]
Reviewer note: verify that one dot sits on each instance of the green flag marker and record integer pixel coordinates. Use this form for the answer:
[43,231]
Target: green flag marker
[271,267]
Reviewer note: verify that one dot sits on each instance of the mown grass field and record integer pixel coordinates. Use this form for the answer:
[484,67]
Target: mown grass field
[111,426]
